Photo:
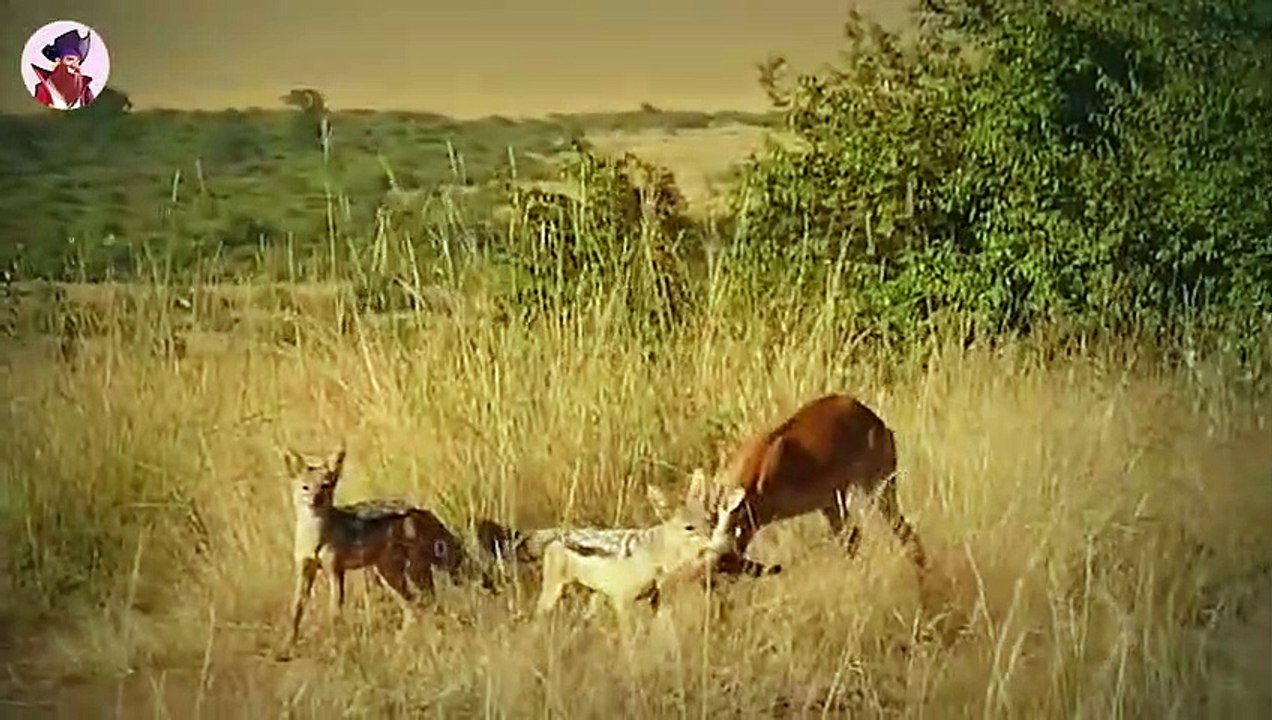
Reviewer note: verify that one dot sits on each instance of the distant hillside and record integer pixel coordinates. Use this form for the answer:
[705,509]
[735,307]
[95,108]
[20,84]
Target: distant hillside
[218,183]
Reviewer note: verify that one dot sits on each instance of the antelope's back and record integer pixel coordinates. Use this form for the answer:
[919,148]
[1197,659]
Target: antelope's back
[828,442]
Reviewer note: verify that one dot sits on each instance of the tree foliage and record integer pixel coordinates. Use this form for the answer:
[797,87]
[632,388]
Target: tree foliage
[307,128]
[306,100]
[110,103]
[1104,164]
[621,224]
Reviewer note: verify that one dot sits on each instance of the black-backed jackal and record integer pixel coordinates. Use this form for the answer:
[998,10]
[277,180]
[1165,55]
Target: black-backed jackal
[628,565]
[402,542]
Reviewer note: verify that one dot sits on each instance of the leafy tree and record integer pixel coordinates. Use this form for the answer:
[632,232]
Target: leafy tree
[623,226]
[1108,164]
[312,107]
[307,100]
[111,102]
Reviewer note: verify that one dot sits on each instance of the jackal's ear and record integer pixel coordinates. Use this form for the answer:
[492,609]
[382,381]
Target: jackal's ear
[337,463]
[295,463]
[662,508]
[697,492]
[733,500]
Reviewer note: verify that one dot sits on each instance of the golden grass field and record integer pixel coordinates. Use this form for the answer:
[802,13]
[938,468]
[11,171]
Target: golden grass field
[1098,524]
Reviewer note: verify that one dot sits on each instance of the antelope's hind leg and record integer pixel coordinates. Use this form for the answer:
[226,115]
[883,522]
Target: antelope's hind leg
[840,516]
[887,505]
[396,571]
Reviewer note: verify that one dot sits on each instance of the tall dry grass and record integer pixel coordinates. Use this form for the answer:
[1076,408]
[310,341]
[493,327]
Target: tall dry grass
[1099,527]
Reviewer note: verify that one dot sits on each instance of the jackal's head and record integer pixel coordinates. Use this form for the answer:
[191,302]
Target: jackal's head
[314,484]
[691,531]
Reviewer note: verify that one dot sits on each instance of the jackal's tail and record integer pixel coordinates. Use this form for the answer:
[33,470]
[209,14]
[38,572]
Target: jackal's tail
[504,543]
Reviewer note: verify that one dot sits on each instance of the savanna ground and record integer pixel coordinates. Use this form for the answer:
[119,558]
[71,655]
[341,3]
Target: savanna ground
[1061,309]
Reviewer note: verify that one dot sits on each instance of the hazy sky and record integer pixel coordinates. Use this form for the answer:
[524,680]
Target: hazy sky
[471,57]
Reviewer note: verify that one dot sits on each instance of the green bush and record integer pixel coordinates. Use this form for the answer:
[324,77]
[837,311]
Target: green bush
[1103,165]
[623,227]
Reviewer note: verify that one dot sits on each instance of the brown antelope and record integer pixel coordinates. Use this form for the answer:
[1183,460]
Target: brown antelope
[402,542]
[831,449]
[628,565]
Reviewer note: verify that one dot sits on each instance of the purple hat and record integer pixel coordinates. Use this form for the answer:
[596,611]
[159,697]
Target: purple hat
[68,43]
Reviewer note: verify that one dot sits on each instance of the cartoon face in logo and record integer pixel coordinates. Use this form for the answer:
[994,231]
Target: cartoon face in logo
[65,65]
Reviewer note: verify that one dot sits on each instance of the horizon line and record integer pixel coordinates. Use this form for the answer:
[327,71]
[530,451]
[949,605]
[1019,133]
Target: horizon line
[283,108]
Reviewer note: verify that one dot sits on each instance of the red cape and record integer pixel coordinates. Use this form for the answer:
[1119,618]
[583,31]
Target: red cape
[45,97]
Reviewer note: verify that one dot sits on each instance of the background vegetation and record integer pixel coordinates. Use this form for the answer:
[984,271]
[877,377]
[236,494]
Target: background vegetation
[1036,237]
[86,195]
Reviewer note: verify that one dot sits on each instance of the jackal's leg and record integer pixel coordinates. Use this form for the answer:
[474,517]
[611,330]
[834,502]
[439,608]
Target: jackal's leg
[594,604]
[306,571]
[419,570]
[554,582]
[549,596]
[391,569]
[626,623]
[337,591]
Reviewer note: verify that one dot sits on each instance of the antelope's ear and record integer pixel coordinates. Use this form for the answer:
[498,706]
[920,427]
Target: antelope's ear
[662,508]
[295,463]
[733,500]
